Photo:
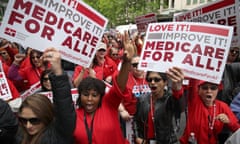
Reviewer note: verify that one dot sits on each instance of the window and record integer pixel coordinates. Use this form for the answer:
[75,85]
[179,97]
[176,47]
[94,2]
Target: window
[202,1]
[195,1]
[173,1]
[188,2]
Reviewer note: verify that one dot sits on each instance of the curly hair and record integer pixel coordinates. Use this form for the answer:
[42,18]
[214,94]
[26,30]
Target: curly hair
[88,84]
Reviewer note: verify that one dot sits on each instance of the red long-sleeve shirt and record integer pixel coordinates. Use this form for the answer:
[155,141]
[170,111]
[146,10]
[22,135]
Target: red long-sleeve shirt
[200,116]
[106,126]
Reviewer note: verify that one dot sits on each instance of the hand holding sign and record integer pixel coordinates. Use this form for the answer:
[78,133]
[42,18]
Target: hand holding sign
[54,58]
[176,75]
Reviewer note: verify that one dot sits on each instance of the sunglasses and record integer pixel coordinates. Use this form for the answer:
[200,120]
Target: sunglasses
[213,87]
[45,79]
[134,65]
[155,79]
[114,54]
[33,121]
[234,52]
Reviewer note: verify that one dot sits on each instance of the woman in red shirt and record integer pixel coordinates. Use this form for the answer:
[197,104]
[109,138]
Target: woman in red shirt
[101,67]
[206,115]
[30,73]
[97,116]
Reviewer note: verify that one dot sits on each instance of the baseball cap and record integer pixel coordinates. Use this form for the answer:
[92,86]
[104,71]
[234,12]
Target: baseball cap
[101,45]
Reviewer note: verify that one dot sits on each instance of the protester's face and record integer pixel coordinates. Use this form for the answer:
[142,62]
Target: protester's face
[30,121]
[134,63]
[208,93]
[90,101]
[156,83]
[36,60]
[46,83]
[115,54]
[4,54]
[233,54]
[101,53]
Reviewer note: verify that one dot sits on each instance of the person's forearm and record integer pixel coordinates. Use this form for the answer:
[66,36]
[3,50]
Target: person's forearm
[123,75]
[79,78]
[13,73]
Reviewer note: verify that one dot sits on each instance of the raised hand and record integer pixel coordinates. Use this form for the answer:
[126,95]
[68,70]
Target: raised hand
[129,47]
[53,56]
[177,76]
[18,58]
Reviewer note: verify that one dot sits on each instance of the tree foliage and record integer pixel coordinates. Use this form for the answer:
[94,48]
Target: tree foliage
[124,11]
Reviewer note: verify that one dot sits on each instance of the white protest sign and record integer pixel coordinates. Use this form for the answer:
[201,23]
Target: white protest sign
[74,93]
[143,21]
[68,25]
[199,49]
[5,92]
[223,12]
[34,88]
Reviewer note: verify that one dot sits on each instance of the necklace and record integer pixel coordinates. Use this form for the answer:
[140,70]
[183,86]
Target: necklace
[211,120]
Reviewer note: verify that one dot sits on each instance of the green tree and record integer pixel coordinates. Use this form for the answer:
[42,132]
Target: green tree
[124,11]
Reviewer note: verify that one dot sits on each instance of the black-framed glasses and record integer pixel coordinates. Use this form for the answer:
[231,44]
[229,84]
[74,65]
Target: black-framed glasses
[33,121]
[134,65]
[212,87]
[155,79]
[234,51]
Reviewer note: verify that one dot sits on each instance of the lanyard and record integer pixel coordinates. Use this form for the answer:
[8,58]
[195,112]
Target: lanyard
[89,131]
[152,113]
[151,108]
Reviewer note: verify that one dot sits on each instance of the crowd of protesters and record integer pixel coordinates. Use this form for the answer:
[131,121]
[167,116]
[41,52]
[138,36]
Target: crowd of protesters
[149,99]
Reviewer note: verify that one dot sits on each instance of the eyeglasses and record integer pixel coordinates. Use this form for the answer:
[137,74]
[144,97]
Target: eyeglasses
[234,51]
[33,57]
[213,87]
[45,79]
[134,65]
[155,79]
[114,54]
[33,121]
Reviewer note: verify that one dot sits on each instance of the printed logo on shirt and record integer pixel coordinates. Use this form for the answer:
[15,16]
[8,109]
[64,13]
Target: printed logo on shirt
[139,90]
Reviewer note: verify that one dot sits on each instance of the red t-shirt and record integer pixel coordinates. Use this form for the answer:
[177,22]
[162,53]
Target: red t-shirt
[109,67]
[136,87]
[98,70]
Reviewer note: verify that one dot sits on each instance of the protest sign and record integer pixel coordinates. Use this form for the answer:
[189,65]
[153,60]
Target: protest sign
[68,25]
[5,92]
[34,88]
[199,49]
[74,93]
[143,21]
[223,12]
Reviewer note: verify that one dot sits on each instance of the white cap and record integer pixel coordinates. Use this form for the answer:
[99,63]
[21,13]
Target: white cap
[101,45]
